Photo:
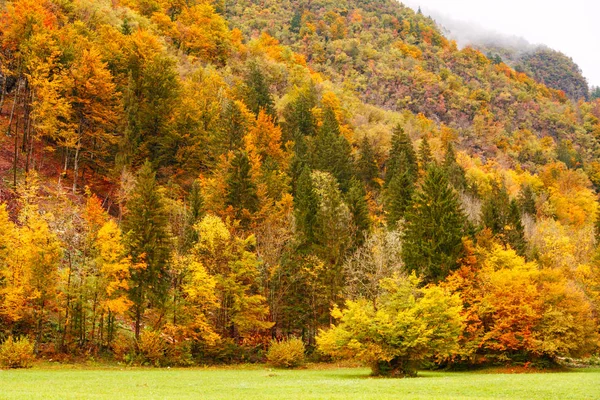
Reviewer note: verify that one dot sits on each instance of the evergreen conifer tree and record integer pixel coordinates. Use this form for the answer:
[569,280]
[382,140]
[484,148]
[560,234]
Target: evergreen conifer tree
[399,192]
[503,217]
[434,228]
[357,204]
[425,157]
[241,190]
[401,144]
[306,205]
[258,95]
[527,201]
[195,213]
[332,152]
[366,165]
[146,226]
[454,172]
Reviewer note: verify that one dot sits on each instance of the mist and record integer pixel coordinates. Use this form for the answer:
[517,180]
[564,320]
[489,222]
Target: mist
[522,26]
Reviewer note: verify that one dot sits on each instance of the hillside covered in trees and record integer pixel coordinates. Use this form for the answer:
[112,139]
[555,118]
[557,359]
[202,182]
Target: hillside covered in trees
[183,182]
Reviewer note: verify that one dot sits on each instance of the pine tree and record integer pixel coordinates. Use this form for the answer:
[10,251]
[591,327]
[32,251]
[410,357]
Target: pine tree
[454,172]
[146,227]
[234,126]
[195,213]
[296,22]
[357,203]
[527,201]
[299,118]
[306,204]
[332,152]
[503,217]
[425,157]
[241,190]
[434,228]
[258,96]
[366,165]
[399,192]
[516,234]
[401,144]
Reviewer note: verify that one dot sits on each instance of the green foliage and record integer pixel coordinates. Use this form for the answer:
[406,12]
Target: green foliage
[258,95]
[434,228]
[16,353]
[150,100]
[195,213]
[332,152]
[402,156]
[357,204]
[454,172]
[306,204]
[366,165]
[146,228]
[425,156]
[399,192]
[287,353]
[241,190]
[526,201]
[503,217]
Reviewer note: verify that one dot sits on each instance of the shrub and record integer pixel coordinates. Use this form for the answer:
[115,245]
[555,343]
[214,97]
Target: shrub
[16,353]
[151,347]
[286,354]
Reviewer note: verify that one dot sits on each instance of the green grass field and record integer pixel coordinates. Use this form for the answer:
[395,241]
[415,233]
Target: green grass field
[262,383]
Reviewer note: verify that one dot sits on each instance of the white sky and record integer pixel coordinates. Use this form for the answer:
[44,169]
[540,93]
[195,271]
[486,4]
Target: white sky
[572,27]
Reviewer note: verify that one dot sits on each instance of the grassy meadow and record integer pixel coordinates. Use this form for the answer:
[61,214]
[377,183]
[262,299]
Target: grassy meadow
[263,383]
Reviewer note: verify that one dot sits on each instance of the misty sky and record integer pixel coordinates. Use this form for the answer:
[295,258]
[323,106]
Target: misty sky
[570,26]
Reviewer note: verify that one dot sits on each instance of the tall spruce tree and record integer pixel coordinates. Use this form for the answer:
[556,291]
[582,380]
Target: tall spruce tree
[332,152]
[399,192]
[366,165]
[306,205]
[146,226]
[298,114]
[454,172]
[401,145]
[434,228]
[356,199]
[241,190]
[503,218]
[258,96]
[195,203]
[527,201]
[425,156]
[234,127]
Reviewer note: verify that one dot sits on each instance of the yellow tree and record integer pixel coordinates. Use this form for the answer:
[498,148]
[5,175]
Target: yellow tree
[93,101]
[113,268]
[39,260]
[203,33]
[241,309]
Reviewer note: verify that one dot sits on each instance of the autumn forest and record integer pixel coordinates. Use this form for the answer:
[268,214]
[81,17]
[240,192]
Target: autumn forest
[215,181]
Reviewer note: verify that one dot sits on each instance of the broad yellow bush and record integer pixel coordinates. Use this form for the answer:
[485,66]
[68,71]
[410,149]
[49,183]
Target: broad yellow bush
[16,353]
[286,354]
[151,347]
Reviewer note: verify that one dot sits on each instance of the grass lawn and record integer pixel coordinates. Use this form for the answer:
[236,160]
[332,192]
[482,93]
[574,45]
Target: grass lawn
[261,383]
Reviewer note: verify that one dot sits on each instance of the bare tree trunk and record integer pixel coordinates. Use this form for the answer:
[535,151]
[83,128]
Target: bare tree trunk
[28,129]
[66,165]
[76,166]
[68,307]
[3,94]
[12,113]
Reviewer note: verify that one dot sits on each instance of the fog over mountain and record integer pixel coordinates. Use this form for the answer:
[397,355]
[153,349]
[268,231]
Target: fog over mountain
[523,26]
